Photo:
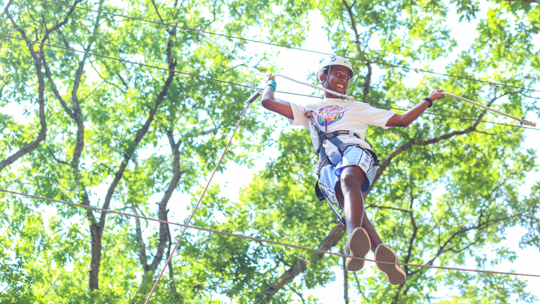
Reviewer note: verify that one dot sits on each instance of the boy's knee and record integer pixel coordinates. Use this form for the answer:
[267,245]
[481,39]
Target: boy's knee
[352,178]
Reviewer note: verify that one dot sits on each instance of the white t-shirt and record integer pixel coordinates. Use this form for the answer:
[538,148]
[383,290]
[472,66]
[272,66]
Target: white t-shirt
[341,115]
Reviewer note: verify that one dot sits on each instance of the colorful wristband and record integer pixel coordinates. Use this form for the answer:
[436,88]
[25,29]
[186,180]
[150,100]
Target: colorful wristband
[273,84]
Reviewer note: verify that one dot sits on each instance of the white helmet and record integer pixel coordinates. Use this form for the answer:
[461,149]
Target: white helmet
[333,60]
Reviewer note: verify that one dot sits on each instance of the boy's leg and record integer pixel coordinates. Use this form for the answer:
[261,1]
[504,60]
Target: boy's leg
[373,236]
[355,204]
[349,195]
[352,203]
[351,181]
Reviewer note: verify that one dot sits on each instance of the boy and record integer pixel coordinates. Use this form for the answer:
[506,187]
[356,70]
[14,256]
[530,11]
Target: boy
[346,164]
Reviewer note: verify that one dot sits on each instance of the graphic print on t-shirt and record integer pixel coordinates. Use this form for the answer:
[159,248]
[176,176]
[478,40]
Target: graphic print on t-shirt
[331,113]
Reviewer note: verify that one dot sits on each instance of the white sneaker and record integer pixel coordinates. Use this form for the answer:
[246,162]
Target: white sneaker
[393,273]
[358,246]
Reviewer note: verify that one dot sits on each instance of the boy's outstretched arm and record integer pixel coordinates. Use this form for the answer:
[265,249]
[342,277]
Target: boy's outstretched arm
[273,104]
[403,120]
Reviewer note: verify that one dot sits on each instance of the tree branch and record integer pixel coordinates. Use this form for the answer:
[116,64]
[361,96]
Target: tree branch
[157,11]
[172,284]
[330,241]
[411,245]
[128,154]
[56,159]
[109,82]
[79,146]
[367,81]
[162,214]
[55,90]
[526,1]
[478,226]
[298,294]
[2,89]
[164,229]
[142,247]
[41,83]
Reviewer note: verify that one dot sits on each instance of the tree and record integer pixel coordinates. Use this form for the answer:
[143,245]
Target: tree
[122,136]
[475,167]
[104,117]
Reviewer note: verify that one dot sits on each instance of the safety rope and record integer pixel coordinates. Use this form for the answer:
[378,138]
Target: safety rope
[523,121]
[318,251]
[249,102]
[263,76]
[405,68]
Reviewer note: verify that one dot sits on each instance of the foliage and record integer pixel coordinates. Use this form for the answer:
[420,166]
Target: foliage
[122,136]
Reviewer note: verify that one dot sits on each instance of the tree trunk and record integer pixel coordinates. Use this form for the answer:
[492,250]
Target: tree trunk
[95,262]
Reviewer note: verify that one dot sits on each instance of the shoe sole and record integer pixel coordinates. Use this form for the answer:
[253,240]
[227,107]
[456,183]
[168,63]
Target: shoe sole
[393,273]
[359,246]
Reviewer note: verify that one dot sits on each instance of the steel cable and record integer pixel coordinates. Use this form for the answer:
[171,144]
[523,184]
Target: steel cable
[269,241]
[125,61]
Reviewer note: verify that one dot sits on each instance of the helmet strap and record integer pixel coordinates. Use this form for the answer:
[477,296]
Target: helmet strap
[325,83]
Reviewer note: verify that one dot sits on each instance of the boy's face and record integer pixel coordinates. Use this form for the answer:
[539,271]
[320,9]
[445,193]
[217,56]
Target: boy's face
[338,80]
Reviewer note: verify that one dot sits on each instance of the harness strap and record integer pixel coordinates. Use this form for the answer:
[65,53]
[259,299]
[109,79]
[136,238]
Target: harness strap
[341,146]
[332,137]
[321,196]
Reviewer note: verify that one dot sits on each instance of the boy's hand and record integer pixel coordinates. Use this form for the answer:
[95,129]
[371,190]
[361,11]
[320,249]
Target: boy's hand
[309,115]
[436,95]
[270,77]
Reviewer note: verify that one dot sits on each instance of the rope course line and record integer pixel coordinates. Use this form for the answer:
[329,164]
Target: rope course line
[348,97]
[523,121]
[126,61]
[237,84]
[406,68]
[251,99]
[267,241]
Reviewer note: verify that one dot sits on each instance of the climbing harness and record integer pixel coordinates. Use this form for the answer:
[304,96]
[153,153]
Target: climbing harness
[324,159]
[346,97]
[522,121]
